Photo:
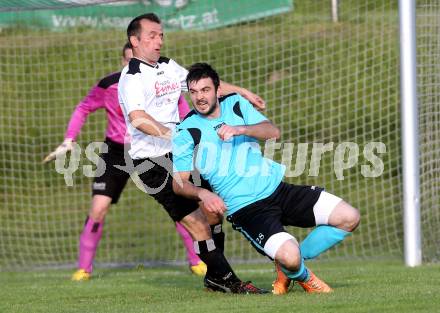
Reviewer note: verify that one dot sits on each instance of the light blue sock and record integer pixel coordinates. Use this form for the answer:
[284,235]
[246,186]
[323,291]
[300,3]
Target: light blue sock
[301,275]
[320,240]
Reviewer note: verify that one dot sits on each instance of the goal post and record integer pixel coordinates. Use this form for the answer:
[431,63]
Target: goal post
[410,131]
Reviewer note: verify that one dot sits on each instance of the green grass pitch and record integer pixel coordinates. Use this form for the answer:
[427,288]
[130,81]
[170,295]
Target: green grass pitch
[373,286]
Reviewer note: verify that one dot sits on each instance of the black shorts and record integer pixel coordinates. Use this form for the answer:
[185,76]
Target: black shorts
[113,181]
[288,205]
[156,177]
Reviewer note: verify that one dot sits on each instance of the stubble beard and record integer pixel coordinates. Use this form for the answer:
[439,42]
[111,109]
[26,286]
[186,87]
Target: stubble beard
[210,110]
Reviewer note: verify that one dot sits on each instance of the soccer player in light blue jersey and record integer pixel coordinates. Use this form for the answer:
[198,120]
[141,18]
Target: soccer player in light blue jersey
[219,140]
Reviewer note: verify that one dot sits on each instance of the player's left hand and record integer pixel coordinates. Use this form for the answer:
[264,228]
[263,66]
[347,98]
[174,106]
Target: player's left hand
[256,100]
[226,132]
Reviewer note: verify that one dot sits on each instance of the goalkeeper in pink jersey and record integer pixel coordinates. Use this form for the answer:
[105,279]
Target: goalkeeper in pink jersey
[107,188]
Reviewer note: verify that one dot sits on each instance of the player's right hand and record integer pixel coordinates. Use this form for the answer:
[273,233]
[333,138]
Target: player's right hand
[226,132]
[212,202]
[60,150]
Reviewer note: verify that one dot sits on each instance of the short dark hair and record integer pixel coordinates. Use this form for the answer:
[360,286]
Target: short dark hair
[198,71]
[134,28]
[125,47]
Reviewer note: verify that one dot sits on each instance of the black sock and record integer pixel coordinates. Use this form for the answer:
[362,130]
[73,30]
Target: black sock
[219,236]
[218,266]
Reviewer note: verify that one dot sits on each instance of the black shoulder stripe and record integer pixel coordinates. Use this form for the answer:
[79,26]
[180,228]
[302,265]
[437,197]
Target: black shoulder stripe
[237,109]
[163,60]
[109,80]
[226,96]
[196,135]
[205,184]
[133,66]
[190,113]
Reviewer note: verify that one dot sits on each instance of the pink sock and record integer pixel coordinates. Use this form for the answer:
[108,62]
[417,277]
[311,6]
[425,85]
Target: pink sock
[191,256]
[88,243]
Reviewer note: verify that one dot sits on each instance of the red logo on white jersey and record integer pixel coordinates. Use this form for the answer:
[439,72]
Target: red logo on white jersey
[166,87]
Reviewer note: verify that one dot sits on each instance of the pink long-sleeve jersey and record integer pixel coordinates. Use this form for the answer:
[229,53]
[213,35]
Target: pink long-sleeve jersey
[105,96]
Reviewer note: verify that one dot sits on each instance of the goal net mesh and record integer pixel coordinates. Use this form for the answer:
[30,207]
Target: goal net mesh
[331,82]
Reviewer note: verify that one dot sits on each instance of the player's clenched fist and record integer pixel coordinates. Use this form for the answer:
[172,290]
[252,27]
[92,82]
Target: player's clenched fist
[226,132]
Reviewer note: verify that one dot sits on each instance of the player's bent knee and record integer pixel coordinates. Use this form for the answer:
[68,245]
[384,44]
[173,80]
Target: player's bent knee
[290,259]
[276,241]
[288,253]
[345,217]
[292,264]
[353,219]
[332,210]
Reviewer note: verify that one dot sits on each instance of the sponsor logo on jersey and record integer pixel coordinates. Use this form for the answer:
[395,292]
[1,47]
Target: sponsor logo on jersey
[219,125]
[165,87]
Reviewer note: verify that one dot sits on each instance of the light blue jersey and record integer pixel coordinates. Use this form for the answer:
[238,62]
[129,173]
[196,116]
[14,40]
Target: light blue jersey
[235,169]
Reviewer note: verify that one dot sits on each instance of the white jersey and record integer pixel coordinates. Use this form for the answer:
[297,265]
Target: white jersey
[155,90]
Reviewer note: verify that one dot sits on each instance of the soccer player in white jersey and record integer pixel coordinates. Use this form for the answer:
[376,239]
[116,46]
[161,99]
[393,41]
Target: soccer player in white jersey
[107,188]
[149,89]
[219,139]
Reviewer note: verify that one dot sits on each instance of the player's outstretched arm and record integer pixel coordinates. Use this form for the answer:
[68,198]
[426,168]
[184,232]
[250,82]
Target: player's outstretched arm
[91,103]
[261,131]
[257,102]
[148,125]
[211,202]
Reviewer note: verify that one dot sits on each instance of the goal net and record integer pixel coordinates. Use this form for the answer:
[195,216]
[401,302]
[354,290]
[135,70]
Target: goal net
[428,75]
[330,81]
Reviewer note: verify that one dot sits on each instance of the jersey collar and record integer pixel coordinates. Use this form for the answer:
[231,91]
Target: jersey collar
[146,63]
